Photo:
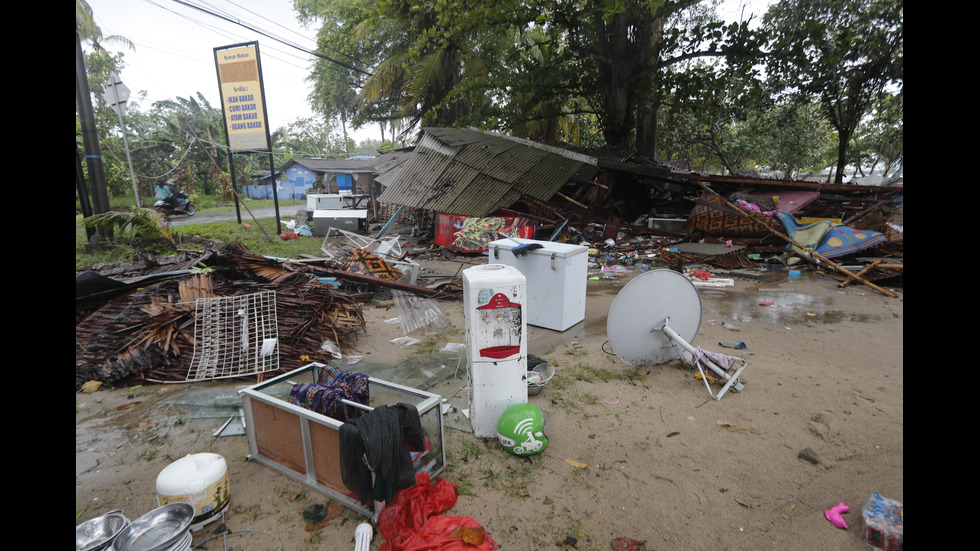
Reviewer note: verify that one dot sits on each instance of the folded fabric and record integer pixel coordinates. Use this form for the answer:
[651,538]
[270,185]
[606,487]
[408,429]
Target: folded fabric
[826,238]
[326,396]
[724,361]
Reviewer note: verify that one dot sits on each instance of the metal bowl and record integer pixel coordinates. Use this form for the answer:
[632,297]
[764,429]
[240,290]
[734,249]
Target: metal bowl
[157,530]
[538,377]
[97,534]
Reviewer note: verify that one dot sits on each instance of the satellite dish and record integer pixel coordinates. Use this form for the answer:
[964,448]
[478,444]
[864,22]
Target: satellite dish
[642,308]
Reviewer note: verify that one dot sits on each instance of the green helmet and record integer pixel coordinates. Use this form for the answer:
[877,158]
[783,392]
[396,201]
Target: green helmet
[520,430]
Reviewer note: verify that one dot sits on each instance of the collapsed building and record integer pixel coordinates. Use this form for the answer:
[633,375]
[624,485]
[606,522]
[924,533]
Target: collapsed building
[482,184]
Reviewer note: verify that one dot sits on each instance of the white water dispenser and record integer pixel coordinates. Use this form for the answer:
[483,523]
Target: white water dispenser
[494,301]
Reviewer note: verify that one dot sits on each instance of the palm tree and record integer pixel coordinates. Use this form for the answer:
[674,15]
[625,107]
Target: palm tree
[89,31]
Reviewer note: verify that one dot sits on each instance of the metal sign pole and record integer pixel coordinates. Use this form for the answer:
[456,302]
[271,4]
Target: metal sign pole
[116,95]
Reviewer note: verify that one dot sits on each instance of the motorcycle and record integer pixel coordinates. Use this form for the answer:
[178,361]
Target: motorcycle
[167,207]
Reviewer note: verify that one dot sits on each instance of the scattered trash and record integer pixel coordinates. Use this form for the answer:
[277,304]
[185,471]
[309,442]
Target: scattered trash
[362,536]
[331,348]
[405,341]
[713,282]
[834,515]
[700,274]
[574,463]
[766,303]
[619,396]
[884,521]
[453,348]
[730,326]
[736,345]
[413,521]
[627,544]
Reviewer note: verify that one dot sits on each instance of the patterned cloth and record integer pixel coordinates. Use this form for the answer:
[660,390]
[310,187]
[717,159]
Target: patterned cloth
[325,395]
[829,240]
[712,216]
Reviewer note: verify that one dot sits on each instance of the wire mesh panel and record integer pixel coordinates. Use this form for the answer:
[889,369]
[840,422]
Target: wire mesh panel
[235,336]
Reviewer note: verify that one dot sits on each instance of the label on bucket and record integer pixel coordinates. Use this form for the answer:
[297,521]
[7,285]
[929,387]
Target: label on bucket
[207,503]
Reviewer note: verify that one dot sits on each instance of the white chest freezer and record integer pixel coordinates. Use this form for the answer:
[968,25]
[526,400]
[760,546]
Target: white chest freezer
[324,201]
[494,297]
[557,276]
[344,219]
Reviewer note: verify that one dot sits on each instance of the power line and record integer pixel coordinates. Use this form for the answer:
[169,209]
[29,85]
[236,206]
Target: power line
[231,37]
[266,34]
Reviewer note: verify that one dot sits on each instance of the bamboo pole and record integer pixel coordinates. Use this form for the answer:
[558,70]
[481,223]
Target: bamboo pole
[863,271]
[790,240]
[572,200]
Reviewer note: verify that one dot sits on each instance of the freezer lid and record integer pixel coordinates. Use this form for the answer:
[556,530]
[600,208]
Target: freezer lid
[548,248]
[340,213]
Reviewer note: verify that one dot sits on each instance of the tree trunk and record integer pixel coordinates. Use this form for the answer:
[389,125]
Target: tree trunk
[615,86]
[646,128]
[844,137]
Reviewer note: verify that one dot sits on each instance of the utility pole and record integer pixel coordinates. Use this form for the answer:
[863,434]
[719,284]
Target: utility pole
[93,153]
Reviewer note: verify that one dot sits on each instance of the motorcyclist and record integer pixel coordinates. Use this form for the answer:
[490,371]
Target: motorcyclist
[166,190]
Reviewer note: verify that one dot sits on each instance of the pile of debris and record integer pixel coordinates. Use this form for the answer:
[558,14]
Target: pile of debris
[502,186]
[136,321]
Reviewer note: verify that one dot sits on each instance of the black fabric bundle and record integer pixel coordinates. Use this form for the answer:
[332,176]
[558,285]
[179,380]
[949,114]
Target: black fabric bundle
[380,442]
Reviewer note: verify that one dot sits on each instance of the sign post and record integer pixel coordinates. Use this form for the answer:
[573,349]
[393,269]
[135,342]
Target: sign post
[116,95]
[243,103]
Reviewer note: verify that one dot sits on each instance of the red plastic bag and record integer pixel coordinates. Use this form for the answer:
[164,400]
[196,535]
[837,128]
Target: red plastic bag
[411,522]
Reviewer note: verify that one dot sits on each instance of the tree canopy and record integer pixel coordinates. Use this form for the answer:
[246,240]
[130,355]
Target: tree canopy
[666,79]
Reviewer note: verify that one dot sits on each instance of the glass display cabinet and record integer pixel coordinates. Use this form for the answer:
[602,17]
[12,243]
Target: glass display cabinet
[305,445]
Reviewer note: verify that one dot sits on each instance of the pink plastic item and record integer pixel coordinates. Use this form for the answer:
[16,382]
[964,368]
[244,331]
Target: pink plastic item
[834,515]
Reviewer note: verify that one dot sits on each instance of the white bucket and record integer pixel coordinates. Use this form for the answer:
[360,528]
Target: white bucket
[200,479]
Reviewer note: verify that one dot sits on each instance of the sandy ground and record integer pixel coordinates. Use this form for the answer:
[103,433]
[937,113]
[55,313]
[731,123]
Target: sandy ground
[641,453]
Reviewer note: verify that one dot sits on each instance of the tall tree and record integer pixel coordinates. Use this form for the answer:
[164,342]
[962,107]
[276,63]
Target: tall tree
[843,54]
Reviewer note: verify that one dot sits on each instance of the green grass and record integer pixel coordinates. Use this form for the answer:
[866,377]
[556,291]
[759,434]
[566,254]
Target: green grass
[262,238]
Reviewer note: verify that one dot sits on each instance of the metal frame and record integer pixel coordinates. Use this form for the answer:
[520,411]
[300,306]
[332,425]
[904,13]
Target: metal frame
[732,383]
[308,417]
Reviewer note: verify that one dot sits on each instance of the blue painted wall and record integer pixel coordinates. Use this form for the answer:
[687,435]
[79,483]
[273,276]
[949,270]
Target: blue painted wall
[293,186]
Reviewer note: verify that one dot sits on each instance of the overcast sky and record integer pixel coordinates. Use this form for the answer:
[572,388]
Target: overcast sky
[174,49]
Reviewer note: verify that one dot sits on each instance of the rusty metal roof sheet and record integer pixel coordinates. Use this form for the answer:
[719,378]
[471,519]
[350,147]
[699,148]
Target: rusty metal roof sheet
[474,173]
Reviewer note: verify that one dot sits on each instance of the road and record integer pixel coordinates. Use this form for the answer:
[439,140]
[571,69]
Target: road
[285,214]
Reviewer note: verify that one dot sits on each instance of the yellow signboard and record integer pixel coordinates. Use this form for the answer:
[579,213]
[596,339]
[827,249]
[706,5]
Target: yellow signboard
[242,98]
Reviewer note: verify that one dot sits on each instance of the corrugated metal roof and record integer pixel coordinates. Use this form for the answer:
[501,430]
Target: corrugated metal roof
[474,173]
[332,165]
[388,165]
